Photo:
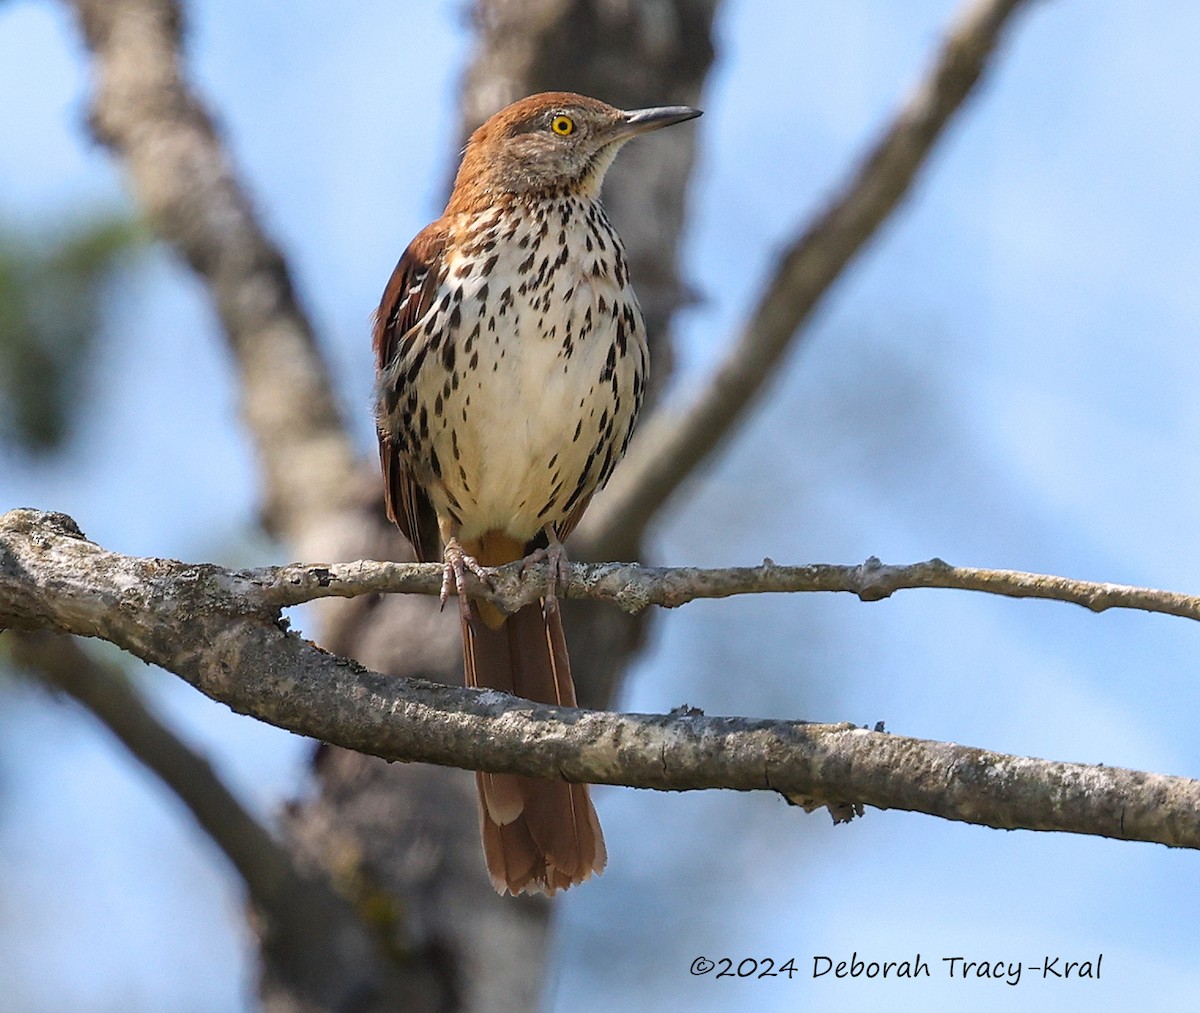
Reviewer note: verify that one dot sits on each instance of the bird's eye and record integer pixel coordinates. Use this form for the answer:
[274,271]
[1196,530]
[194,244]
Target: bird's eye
[562,125]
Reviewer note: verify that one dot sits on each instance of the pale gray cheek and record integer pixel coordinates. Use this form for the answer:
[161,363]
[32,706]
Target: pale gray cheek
[540,163]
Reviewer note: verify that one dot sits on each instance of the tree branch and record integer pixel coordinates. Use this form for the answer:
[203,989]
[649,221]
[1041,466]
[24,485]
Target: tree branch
[188,620]
[314,936]
[633,587]
[265,590]
[145,111]
[672,444]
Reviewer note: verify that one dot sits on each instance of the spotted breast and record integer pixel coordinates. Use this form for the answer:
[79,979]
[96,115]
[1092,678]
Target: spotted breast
[514,394]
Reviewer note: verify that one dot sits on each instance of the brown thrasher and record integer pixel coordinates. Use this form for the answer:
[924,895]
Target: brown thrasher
[511,361]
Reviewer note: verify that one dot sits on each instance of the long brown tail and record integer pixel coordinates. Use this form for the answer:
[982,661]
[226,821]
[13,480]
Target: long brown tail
[539,836]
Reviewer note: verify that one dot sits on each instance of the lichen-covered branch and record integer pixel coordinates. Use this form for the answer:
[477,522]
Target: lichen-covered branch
[633,587]
[672,444]
[191,621]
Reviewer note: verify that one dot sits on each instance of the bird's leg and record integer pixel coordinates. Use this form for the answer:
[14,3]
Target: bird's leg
[455,564]
[555,556]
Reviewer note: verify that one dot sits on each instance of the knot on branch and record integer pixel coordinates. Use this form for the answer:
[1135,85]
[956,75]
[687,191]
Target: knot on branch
[875,581]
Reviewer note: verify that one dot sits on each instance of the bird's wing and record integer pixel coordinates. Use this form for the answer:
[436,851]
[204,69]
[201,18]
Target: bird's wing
[409,296]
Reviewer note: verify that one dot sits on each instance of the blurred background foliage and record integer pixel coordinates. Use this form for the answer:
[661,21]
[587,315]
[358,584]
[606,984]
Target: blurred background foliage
[53,287]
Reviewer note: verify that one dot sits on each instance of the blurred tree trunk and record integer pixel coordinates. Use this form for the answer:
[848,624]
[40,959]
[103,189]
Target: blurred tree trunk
[402,841]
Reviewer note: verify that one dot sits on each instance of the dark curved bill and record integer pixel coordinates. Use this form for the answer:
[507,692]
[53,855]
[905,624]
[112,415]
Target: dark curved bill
[638,121]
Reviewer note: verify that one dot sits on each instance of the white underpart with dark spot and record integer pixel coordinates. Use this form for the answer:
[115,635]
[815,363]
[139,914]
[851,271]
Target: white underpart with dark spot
[535,383]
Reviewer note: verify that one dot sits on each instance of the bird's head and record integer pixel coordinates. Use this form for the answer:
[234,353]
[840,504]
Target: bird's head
[553,142]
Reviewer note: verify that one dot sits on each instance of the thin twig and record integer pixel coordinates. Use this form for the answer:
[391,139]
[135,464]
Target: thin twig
[673,444]
[633,587]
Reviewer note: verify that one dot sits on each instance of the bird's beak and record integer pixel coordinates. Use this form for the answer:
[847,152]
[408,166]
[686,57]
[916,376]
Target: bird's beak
[639,121]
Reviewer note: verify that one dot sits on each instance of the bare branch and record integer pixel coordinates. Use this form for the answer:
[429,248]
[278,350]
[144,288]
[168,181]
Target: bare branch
[145,111]
[169,614]
[632,587]
[672,444]
[316,938]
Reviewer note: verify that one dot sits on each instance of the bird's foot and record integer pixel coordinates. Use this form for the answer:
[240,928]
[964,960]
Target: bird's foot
[554,557]
[455,564]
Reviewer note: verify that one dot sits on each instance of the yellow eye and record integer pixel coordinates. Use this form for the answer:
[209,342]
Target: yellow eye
[562,125]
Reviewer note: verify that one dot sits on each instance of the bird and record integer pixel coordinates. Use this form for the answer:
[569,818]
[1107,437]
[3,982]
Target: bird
[511,363]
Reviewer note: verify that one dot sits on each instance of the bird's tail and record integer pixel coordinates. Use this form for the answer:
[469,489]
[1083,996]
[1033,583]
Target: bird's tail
[539,836]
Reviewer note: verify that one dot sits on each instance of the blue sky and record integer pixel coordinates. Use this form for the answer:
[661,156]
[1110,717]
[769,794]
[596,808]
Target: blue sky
[1006,378]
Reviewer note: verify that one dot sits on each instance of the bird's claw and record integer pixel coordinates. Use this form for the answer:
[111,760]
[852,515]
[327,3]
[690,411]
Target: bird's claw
[554,556]
[455,564]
